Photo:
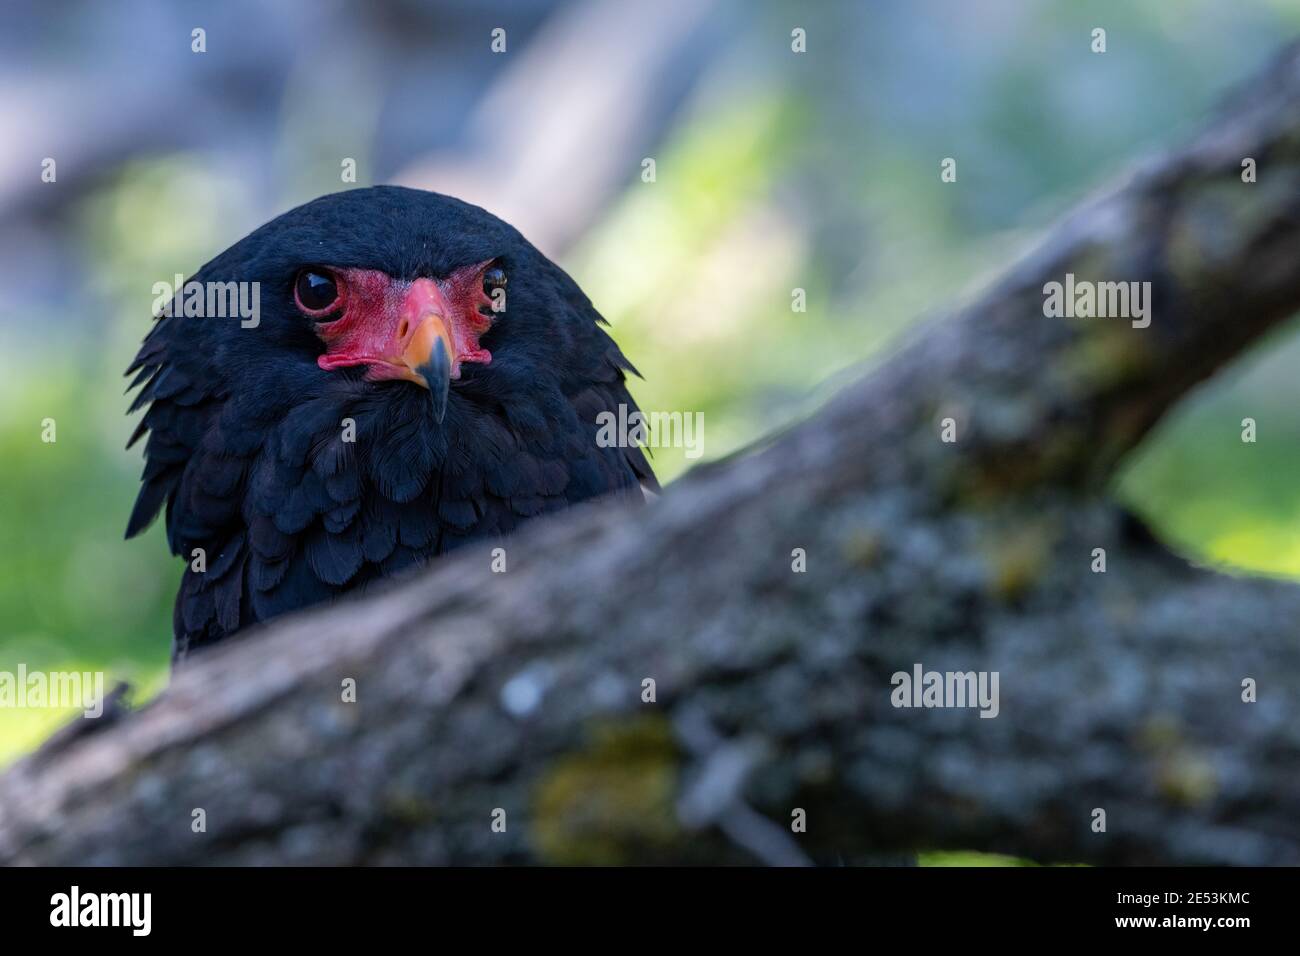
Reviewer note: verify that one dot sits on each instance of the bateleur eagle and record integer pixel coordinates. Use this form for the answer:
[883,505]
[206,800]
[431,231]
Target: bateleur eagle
[378,414]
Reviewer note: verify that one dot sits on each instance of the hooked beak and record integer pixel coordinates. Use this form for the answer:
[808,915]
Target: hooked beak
[424,339]
[428,357]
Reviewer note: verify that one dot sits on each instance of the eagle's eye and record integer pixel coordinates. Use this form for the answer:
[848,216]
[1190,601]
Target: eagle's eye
[315,291]
[493,279]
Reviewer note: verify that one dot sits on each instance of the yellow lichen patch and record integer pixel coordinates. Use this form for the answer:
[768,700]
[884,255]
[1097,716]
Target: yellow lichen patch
[862,548]
[1187,778]
[1015,560]
[409,808]
[1182,775]
[1111,353]
[612,802]
[1160,732]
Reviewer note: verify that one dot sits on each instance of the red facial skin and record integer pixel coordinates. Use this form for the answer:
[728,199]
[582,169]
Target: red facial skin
[382,320]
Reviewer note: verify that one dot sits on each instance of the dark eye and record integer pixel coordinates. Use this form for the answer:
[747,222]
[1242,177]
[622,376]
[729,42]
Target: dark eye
[315,290]
[493,279]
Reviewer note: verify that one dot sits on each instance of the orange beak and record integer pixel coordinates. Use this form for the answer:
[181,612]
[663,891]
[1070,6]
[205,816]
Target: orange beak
[428,352]
[428,356]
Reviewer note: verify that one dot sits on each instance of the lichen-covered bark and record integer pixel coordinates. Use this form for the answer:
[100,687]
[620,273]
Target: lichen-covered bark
[523,691]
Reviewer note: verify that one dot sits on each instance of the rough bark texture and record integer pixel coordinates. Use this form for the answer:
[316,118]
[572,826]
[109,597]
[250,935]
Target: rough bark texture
[523,691]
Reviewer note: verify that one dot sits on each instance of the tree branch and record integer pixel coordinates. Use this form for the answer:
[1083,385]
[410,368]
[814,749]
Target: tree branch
[523,691]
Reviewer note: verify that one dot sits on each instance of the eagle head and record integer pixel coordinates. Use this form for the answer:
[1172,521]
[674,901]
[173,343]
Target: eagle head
[363,383]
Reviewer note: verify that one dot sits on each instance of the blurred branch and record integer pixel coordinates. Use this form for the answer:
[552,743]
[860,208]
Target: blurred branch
[522,692]
[618,98]
[1061,400]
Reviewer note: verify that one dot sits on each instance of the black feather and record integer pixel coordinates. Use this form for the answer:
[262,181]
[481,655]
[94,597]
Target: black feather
[246,447]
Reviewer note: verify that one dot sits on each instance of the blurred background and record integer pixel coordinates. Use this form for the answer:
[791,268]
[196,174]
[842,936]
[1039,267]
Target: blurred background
[775,170]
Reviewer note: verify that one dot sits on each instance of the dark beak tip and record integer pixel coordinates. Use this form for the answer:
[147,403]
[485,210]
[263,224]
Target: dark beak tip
[437,375]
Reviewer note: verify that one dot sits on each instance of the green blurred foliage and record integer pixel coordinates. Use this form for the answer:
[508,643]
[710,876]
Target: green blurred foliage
[70,596]
[1213,496]
[73,594]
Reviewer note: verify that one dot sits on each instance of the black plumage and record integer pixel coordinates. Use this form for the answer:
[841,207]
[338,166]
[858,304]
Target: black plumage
[246,446]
